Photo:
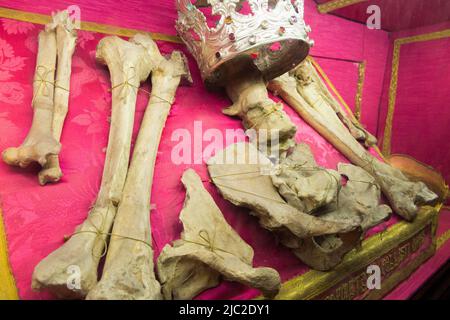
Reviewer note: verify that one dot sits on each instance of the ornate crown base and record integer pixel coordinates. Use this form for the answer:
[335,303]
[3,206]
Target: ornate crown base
[271,63]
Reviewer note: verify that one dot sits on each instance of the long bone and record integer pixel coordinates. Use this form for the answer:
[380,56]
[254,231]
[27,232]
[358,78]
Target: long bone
[66,37]
[39,143]
[300,88]
[129,272]
[129,63]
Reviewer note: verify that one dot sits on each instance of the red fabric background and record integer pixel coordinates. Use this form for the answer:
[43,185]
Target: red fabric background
[399,14]
[422,109]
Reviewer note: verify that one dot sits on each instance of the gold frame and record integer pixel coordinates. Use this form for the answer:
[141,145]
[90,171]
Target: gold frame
[398,43]
[8,289]
[85,25]
[359,92]
[336,4]
[313,283]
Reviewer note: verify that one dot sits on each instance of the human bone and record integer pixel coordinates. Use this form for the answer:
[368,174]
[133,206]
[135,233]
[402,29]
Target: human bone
[129,63]
[246,182]
[300,88]
[129,272]
[303,184]
[208,250]
[306,185]
[39,142]
[274,130]
[66,37]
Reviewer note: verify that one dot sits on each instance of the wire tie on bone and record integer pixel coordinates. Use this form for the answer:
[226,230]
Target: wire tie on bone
[127,84]
[250,193]
[99,234]
[255,194]
[265,114]
[43,82]
[208,243]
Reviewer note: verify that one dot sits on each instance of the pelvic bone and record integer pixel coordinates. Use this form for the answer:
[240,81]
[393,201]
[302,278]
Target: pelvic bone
[245,184]
[208,248]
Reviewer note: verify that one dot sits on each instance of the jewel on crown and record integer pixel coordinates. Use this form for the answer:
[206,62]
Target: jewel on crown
[273,33]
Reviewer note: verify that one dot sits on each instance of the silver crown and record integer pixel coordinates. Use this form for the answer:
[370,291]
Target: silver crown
[274,35]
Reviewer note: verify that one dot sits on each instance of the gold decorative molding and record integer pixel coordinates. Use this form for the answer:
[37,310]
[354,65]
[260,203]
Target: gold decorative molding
[394,80]
[85,25]
[313,283]
[336,4]
[359,92]
[443,238]
[8,289]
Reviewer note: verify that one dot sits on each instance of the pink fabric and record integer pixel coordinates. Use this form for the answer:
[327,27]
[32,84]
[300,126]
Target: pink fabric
[37,218]
[421,116]
[399,14]
[344,76]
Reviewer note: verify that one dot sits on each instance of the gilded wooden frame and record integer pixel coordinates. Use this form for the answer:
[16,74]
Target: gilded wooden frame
[398,43]
[336,4]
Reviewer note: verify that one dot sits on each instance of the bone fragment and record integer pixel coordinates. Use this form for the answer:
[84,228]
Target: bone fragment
[39,143]
[303,184]
[208,249]
[129,63]
[306,185]
[247,90]
[359,198]
[247,183]
[129,272]
[66,37]
[303,91]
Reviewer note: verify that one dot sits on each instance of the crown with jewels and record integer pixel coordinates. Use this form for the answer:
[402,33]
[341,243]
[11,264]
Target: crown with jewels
[273,34]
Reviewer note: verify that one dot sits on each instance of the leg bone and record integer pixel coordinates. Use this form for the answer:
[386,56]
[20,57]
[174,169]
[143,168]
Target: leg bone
[128,271]
[39,143]
[129,63]
[66,37]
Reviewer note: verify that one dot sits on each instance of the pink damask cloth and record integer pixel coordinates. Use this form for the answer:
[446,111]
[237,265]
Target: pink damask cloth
[37,218]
